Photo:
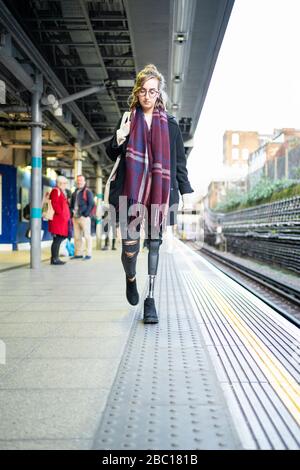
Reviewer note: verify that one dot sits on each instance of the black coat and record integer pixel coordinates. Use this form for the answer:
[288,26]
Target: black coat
[179,176]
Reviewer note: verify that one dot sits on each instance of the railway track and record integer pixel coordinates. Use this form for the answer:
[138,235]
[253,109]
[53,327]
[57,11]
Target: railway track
[288,293]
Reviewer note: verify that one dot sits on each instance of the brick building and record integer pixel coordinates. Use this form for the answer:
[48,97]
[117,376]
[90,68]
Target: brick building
[237,146]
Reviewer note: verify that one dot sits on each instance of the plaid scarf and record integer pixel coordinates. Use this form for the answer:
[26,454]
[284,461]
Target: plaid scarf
[147,178]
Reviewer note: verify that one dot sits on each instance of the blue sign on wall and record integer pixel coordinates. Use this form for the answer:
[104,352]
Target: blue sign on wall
[14,197]
[9,212]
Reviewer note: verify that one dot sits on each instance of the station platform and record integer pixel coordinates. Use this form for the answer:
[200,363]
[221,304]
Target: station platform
[18,259]
[219,371]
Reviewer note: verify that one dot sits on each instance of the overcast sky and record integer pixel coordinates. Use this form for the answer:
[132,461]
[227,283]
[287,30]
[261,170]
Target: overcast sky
[255,84]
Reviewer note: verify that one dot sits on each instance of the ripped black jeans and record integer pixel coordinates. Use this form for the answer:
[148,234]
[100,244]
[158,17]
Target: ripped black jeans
[131,248]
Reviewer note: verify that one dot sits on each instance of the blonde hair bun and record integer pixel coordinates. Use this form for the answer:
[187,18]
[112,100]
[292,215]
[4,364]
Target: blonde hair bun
[150,67]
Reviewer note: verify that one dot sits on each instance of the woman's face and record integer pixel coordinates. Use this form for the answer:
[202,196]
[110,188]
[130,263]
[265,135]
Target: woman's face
[148,94]
[62,185]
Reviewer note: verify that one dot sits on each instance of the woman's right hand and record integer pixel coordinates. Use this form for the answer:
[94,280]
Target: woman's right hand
[124,130]
[125,124]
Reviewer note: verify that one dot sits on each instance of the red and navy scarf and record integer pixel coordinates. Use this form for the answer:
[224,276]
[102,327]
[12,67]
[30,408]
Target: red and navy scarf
[147,178]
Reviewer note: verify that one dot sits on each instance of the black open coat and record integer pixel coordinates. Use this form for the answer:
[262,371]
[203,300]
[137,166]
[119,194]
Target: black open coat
[179,176]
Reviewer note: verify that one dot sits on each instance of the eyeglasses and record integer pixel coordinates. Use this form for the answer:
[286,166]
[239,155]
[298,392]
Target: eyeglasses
[152,92]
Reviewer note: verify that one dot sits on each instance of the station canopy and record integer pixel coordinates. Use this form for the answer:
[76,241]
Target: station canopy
[79,44]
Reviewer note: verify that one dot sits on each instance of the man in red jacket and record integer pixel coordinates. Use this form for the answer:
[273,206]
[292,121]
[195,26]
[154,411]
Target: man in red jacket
[58,226]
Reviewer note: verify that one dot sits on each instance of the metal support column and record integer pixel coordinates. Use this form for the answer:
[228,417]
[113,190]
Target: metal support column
[77,161]
[99,191]
[36,174]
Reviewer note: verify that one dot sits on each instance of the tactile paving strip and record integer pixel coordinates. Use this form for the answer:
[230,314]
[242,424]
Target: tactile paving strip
[166,394]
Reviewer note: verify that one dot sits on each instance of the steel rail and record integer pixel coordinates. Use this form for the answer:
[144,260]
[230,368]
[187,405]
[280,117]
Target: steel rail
[289,293]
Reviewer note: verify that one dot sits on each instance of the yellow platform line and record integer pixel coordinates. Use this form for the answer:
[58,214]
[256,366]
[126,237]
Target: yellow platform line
[283,383]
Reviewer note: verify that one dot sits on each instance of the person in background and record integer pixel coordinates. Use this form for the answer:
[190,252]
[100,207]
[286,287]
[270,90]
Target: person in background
[82,203]
[58,226]
[109,225]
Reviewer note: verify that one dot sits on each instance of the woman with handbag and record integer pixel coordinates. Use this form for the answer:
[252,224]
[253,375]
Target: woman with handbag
[59,224]
[151,169]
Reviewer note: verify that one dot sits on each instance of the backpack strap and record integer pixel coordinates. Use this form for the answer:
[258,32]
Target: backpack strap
[57,190]
[84,195]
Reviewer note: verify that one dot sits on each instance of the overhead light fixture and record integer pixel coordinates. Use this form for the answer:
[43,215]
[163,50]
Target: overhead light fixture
[51,100]
[183,20]
[58,112]
[177,79]
[175,106]
[180,38]
[51,159]
[125,83]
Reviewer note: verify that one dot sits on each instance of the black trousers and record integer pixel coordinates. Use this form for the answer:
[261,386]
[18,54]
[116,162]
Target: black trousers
[57,239]
[131,248]
[109,226]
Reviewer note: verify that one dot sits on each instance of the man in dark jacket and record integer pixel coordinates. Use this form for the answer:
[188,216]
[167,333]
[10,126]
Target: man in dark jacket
[82,203]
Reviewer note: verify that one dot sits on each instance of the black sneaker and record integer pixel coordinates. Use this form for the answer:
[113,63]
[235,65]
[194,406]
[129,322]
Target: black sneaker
[150,315]
[132,292]
[57,261]
[77,257]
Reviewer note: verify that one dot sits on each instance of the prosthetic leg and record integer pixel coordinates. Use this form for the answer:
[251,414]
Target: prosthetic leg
[150,314]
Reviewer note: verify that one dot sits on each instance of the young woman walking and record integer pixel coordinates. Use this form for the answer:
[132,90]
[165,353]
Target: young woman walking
[151,171]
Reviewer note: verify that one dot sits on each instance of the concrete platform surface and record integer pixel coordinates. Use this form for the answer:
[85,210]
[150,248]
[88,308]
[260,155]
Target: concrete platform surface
[64,329]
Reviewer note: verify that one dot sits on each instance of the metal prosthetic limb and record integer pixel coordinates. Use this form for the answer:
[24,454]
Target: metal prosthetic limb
[153,257]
